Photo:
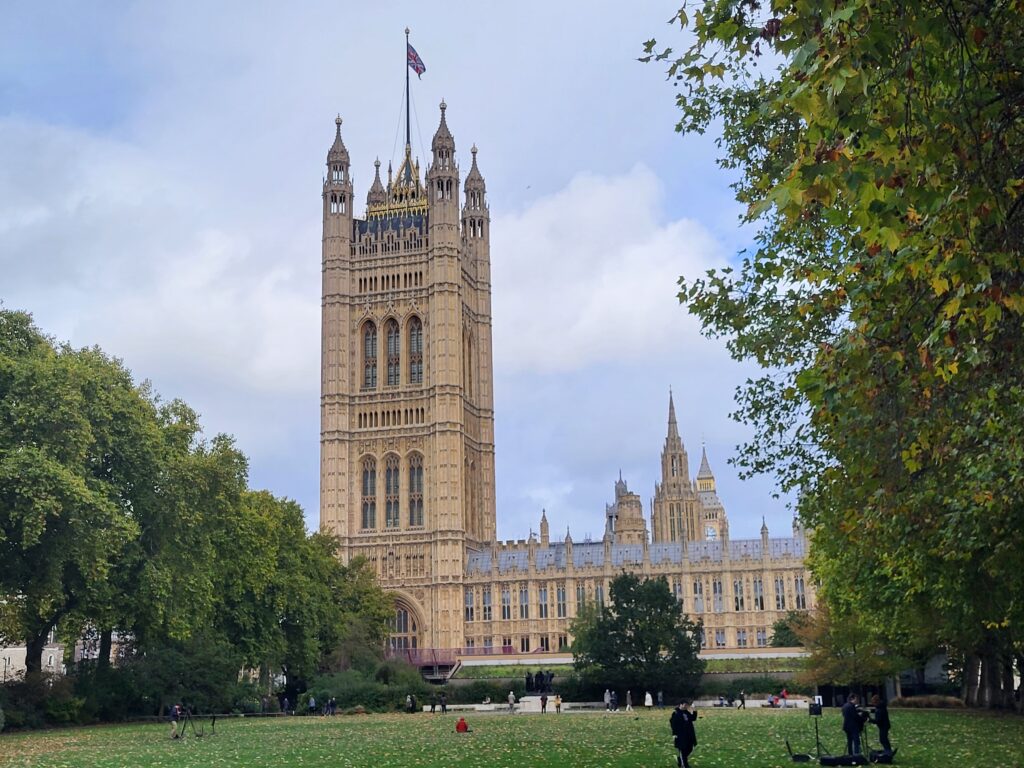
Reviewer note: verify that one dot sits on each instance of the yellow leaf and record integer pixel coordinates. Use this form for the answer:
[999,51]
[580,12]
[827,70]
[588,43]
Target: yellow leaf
[940,285]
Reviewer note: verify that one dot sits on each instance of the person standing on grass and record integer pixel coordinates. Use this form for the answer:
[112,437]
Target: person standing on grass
[312,704]
[648,701]
[743,700]
[444,703]
[683,732]
[881,719]
[558,704]
[173,713]
[511,702]
[853,721]
[661,699]
[607,699]
[629,701]
[543,703]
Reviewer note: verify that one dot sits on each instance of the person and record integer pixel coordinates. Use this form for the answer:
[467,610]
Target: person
[462,726]
[433,703]
[629,701]
[615,701]
[408,703]
[487,699]
[648,701]
[683,732]
[607,700]
[444,703]
[414,702]
[558,704]
[853,721]
[881,719]
[785,696]
[312,704]
[661,699]
[285,705]
[511,701]
[529,682]
[743,700]
[543,703]
[173,713]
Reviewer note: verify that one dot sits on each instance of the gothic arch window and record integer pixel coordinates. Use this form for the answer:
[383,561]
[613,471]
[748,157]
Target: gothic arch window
[394,353]
[415,490]
[404,631]
[391,483]
[467,365]
[369,505]
[369,356]
[415,351]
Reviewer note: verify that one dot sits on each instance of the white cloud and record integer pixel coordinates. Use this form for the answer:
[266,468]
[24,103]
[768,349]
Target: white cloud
[588,275]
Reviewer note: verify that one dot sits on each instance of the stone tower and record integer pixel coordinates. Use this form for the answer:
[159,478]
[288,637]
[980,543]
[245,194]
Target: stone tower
[674,513]
[407,411]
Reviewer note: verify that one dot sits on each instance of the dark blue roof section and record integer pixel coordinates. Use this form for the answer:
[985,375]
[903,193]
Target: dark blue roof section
[397,223]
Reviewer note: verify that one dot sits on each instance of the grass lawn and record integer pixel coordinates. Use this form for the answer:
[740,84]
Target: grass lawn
[728,739]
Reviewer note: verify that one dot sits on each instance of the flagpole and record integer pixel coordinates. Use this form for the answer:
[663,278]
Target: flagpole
[408,141]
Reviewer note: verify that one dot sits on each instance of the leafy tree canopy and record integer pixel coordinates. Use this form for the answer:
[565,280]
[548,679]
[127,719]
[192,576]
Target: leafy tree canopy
[641,638]
[879,151]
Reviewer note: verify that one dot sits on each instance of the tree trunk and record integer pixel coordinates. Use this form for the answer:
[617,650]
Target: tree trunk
[106,641]
[972,667]
[897,687]
[1006,687]
[34,646]
[991,685]
[1019,699]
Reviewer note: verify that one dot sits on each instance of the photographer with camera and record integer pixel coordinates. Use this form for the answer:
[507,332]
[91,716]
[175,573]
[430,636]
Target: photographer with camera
[853,722]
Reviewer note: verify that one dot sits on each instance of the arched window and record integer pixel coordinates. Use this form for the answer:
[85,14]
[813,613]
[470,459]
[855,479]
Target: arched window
[394,353]
[369,493]
[415,490]
[415,351]
[404,631]
[369,356]
[391,491]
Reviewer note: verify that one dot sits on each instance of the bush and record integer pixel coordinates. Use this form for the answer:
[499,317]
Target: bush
[383,690]
[754,687]
[929,702]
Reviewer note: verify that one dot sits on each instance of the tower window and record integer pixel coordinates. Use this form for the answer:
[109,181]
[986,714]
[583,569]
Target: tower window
[524,603]
[369,356]
[394,354]
[415,490]
[698,596]
[415,351]
[737,588]
[369,493]
[542,603]
[487,606]
[801,598]
[506,605]
[717,593]
[780,594]
[391,492]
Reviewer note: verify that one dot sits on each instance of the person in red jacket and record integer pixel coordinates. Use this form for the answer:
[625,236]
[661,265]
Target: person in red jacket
[462,726]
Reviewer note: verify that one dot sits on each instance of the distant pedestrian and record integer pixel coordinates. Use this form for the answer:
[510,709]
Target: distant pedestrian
[444,704]
[433,703]
[629,701]
[853,722]
[683,732]
[743,700]
[648,701]
[558,704]
[607,700]
[408,703]
[173,713]
[286,705]
[785,697]
[511,702]
[615,701]
[880,717]
[312,704]
[543,703]
[661,700]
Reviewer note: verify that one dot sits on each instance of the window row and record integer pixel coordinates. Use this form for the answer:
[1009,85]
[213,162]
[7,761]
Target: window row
[745,638]
[392,566]
[372,244]
[339,203]
[391,282]
[520,644]
[392,353]
[739,595]
[395,417]
[474,228]
[393,479]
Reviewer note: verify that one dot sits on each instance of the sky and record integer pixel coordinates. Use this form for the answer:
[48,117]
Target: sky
[160,176]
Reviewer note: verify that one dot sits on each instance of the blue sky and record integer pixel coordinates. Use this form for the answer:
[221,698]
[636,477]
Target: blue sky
[160,166]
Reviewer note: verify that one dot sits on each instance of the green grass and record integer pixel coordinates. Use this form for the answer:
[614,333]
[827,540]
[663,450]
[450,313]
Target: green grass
[728,739]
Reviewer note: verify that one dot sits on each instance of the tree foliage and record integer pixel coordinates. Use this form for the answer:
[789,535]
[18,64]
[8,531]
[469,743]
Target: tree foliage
[642,638]
[785,631]
[117,515]
[879,149]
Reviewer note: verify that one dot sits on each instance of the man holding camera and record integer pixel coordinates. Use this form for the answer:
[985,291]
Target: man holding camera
[853,721]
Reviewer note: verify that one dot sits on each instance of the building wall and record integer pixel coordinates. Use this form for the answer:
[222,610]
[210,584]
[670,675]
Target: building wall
[421,255]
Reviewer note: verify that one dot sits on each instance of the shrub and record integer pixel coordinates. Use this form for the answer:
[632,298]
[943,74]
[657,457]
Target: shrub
[755,687]
[930,702]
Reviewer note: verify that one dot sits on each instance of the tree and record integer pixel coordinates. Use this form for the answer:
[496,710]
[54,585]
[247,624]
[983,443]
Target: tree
[880,163]
[785,630]
[641,638]
[844,651]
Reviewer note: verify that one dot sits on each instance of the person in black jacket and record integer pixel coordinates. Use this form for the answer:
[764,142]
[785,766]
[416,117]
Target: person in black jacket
[685,735]
[881,719]
[853,722]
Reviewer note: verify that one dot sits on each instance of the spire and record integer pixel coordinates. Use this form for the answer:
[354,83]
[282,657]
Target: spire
[673,428]
[764,526]
[443,139]
[474,179]
[376,195]
[338,150]
[705,468]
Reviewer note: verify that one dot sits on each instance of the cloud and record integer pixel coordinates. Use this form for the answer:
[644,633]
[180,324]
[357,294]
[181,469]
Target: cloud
[588,275]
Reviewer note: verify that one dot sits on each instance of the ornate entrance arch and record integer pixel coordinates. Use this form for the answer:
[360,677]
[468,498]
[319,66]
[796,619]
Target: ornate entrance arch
[405,628]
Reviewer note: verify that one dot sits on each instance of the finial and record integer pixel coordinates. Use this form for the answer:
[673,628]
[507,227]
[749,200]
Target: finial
[407,30]
[376,163]
[473,150]
[443,106]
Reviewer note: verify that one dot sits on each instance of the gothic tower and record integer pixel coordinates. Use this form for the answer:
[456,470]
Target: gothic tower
[407,419]
[674,515]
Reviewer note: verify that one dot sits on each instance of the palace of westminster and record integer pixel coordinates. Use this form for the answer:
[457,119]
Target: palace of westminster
[407,445]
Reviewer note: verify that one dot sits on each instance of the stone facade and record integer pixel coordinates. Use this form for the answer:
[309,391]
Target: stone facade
[407,444]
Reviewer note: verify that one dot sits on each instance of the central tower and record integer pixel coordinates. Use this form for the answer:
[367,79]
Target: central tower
[407,405]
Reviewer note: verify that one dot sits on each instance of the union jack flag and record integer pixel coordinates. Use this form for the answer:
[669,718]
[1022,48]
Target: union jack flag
[415,62]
